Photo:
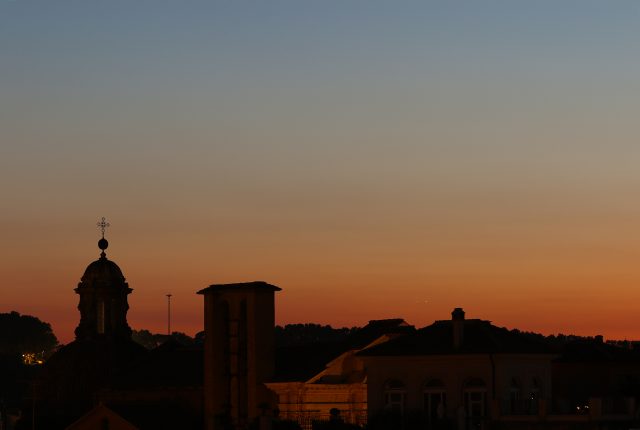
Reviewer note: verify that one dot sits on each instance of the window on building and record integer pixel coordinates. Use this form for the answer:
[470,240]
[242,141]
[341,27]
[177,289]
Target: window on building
[475,391]
[435,400]
[394,396]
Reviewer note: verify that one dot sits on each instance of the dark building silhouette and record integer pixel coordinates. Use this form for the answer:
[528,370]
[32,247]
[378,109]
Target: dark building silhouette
[459,369]
[103,346]
[470,374]
[162,390]
[239,353]
[456,374]
[596,378]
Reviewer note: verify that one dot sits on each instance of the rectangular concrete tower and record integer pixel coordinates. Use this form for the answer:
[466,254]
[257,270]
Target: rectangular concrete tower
[239,353]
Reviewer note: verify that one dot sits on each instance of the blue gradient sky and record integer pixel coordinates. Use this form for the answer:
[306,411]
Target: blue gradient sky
[375,159]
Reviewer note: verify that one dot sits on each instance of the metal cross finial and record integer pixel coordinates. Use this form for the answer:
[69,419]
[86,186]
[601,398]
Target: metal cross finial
[103,224]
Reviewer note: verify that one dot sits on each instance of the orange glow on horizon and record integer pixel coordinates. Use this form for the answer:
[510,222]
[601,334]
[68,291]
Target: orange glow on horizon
[540,296]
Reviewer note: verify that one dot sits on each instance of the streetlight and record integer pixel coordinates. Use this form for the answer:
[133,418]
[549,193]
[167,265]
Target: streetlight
[168,314]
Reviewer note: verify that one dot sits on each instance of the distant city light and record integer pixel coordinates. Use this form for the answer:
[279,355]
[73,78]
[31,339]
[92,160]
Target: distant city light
[33,358]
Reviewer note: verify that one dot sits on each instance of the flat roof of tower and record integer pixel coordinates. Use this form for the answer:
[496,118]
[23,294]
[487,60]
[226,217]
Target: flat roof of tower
[254,285]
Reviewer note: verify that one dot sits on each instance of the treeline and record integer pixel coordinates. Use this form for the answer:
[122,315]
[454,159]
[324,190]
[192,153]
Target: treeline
[22,334]
[24,339]
[560,340]
[152,340]
[305,334]
[288,335]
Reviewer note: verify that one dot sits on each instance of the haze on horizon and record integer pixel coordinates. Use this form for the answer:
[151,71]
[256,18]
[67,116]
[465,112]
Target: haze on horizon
[374,159]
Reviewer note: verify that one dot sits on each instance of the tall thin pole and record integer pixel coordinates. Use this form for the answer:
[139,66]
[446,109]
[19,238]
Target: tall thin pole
[168,314]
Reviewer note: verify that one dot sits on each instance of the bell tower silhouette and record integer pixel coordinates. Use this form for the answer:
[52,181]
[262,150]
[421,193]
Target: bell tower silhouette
[72,377]
[103,298]
[239,353]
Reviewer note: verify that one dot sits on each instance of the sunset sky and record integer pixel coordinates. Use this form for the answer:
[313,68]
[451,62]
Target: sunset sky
[374,159]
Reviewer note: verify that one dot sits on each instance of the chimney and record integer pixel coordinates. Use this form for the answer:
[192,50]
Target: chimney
[457,322]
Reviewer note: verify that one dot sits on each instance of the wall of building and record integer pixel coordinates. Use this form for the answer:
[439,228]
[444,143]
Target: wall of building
[305,402]
[455,372]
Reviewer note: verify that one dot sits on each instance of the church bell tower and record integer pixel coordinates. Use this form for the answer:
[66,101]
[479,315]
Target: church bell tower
[103,298]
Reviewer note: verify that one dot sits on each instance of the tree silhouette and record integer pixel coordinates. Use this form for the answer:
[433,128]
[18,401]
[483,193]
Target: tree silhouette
[152,340]
[21,334]
[309,333]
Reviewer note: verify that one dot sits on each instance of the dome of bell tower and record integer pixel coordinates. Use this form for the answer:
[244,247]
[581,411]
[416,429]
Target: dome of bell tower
[104,272]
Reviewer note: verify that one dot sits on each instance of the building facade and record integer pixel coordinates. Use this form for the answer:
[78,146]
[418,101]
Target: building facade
[457,374]
[339,388]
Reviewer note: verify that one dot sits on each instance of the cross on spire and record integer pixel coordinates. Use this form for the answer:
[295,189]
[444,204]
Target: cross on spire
[102,225]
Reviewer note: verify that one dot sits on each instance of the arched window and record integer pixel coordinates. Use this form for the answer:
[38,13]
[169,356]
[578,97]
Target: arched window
[475,392]
[394,396]
[435,400]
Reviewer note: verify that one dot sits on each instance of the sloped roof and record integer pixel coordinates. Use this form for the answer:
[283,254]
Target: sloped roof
[376,328]
[99,415]
[301,362]
[479,337]
[160,415]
